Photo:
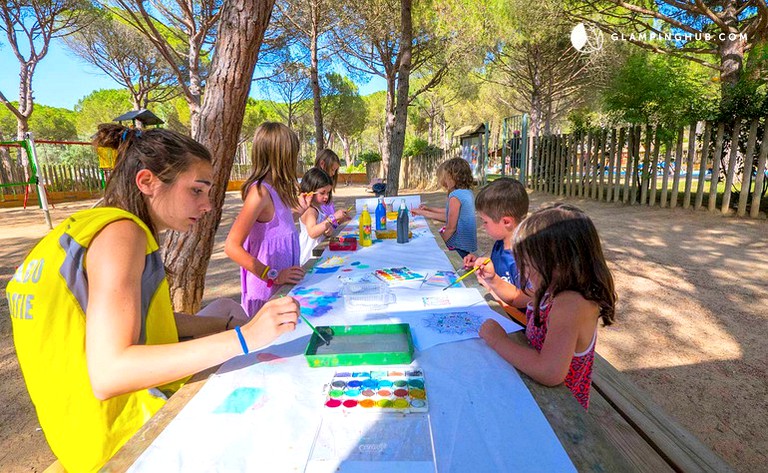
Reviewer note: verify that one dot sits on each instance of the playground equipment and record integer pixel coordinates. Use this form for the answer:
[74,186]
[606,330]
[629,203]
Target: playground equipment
[28,146]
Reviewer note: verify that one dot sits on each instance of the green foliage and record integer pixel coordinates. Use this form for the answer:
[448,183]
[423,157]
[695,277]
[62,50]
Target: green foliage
[256,113]
[100,106]
[47,123]
[368,157]
[747,99]
[344,110]
[583,121]
[415,146]
[352,169]
[653,88]
[74,155]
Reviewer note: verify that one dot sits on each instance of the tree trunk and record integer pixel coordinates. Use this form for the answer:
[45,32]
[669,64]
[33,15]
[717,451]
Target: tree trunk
[345,145]
[315,81]
[389,123]
[397,141]
[241,31]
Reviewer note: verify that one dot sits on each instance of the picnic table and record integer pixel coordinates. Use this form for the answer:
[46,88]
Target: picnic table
[623,430]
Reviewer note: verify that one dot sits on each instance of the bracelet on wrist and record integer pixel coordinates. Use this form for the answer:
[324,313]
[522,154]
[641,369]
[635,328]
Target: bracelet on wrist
[240,337]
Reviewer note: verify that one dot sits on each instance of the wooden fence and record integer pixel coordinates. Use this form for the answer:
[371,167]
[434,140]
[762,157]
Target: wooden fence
[55,177]
[649,165]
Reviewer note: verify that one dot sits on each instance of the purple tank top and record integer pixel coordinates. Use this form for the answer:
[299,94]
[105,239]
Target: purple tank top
[275,243]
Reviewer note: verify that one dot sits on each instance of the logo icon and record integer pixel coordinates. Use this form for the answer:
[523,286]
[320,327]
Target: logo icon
[586,38]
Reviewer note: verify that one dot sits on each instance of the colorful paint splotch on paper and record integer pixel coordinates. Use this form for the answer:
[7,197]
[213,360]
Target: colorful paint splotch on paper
[441,279]
[395,275]
[314,302]
[454,323]
[240,400]
[330,265]
[387,390]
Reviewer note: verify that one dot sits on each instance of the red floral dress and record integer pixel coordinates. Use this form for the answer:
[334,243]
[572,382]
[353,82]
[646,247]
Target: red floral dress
[579,378]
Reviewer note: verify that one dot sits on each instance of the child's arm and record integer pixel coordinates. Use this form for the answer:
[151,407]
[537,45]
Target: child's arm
[454,207]
[117,362]
[428,212]
[257,206]
[315,228]
[499,288]
[570,317]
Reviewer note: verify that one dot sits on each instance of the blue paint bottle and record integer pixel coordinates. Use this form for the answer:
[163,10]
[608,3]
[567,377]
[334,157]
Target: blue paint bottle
[381,215]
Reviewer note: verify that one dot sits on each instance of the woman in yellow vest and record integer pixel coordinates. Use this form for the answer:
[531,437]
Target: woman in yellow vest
[95,333]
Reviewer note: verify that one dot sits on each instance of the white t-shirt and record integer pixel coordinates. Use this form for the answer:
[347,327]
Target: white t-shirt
[308,244]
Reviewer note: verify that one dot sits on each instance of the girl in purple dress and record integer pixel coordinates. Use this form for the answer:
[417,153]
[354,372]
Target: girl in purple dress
[264,240]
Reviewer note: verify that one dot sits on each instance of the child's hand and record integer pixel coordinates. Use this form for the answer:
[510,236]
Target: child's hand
[275,318]
[492,333]
[291,275]
[340,214]
[469,261]
[485,269]
[305,200]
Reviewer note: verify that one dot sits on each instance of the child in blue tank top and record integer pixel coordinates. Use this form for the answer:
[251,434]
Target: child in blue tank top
[501,206]
[460,231]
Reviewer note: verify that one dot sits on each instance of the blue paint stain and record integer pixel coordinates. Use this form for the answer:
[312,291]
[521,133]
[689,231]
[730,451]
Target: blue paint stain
[239,401]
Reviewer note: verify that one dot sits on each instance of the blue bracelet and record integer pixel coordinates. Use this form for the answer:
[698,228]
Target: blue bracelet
[242,340]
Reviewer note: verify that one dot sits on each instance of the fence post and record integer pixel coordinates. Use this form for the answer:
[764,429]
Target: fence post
[703,166]
[746,175]
[757,194]
[646,176]
[611,164]
[630,160]
[678,164]
[689,165]
[653,169]
[724,207]
[716,162]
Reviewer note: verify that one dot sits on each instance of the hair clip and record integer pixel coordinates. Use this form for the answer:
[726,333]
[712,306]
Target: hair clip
[125,134]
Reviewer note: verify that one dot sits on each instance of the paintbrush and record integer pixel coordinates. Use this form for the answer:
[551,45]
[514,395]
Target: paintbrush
[313,329]
[487,260]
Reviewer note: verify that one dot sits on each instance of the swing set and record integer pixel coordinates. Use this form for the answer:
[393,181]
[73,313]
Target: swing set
[28,146]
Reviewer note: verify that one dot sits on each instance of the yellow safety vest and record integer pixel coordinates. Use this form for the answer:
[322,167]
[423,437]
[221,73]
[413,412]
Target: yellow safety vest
[48,297]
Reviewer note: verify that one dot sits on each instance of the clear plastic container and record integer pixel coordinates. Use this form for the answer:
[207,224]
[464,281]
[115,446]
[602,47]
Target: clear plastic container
[366,295]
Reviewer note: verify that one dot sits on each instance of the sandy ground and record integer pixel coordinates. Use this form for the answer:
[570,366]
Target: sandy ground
[691,321]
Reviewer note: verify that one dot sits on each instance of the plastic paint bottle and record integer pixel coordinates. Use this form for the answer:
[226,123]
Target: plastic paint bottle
[381,215]
[365,227]
[402,223]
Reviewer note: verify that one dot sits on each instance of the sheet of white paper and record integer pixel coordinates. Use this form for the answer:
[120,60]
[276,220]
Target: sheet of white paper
[437,316]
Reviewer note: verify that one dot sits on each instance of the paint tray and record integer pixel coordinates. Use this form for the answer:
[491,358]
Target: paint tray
[367,295]
[349,345]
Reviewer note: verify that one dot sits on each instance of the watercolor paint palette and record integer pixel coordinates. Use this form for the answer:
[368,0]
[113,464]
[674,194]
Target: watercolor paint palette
[397,275]
[386,390]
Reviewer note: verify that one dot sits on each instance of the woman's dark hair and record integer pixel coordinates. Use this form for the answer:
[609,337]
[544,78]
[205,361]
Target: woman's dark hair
[165,153]
[324,160]
[458,170]
[314,179]
[561,244]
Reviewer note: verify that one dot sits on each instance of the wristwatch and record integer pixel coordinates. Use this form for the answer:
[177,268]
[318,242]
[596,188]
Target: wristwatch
[271,277]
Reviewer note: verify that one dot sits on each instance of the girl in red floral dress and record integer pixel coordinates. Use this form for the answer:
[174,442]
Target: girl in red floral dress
[569,290]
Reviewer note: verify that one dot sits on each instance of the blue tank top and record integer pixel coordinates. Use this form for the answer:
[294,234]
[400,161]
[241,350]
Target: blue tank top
[465,237]
[504,263]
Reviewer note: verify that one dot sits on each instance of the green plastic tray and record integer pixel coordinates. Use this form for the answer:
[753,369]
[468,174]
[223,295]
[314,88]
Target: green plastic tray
[386,344]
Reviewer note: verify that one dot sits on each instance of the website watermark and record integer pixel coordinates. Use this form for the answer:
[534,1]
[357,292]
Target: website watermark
[588,38]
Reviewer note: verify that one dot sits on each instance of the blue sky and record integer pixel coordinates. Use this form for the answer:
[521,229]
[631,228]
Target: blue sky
[61,79]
